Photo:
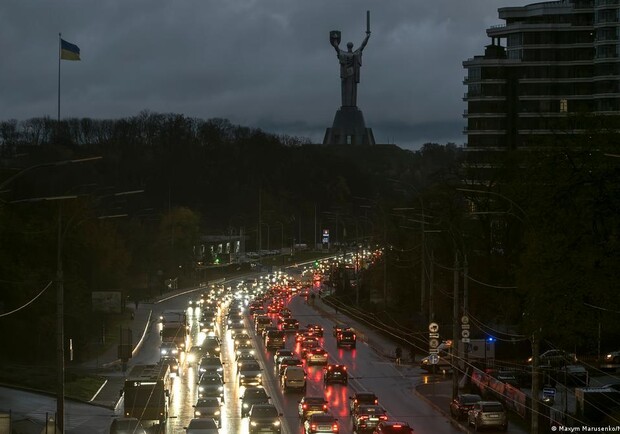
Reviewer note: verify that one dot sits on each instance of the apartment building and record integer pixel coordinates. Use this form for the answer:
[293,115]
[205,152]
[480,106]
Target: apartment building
[548,64]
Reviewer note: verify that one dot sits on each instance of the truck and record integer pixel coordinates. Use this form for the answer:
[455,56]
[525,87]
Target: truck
[148,392]
[176,332]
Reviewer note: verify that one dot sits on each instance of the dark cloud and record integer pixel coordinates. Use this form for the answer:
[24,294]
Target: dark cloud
[262,63]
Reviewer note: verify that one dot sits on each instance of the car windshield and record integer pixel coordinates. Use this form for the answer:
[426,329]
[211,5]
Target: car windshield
[264,411]
[493,408]
[208,402]
[210,379]
[250,367]
[470,399]
[254,393]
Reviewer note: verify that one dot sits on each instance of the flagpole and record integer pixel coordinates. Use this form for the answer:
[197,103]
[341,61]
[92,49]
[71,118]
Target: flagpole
[59,54]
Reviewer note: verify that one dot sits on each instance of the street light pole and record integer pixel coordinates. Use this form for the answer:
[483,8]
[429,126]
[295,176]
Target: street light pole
[60,339]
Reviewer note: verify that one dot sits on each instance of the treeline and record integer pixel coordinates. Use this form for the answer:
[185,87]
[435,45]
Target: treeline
[198,177]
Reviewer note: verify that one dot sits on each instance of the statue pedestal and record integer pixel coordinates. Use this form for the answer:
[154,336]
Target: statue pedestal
[349,129]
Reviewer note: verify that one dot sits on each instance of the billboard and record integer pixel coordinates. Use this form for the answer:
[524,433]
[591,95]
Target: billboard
[107,301]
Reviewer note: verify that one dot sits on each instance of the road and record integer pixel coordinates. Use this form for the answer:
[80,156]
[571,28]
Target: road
[394,385]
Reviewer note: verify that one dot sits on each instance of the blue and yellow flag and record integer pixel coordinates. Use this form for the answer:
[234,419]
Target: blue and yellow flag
[69,51]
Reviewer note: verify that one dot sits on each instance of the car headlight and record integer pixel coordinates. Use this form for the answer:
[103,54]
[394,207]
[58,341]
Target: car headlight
[253,423]
[245,405]
[217,348]
[276,423]
[259,375]
[191,358]
[201,389]
[197,413]
[608,357]
[220,388]
[216,413]
[164,352]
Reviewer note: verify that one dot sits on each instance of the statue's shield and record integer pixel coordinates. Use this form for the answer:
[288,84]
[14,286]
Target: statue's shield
[334,37]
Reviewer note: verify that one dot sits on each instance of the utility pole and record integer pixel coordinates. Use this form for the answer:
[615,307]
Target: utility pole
[455,328]
[466,309]
[431,289]
[422,269]
[60,335]
[535,383]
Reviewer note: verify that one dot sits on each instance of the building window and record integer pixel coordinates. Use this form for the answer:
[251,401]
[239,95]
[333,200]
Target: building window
[563,106]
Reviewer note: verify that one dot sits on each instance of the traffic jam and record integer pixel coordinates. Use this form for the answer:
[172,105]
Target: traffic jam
[250,344]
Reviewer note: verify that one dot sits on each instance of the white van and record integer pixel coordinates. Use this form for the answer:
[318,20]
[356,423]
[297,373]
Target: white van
[294,377]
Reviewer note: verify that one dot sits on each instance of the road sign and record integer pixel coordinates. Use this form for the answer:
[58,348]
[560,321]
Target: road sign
[434,359]
[433,327]
[465,326]
[465,333]
[465,340]
[464,319]
[433,335]
[433,343]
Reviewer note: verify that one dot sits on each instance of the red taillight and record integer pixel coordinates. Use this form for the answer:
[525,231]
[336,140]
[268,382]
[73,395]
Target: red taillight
[313,427]
[376,401]
[383,417]
[364,417]
[324,406]
[397,426]
[305,406]
[335,428]
[345,368]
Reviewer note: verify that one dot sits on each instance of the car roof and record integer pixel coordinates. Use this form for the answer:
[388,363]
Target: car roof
[202,423]
[314,399]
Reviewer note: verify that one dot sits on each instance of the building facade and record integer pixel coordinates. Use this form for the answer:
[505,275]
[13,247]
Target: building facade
[548,64]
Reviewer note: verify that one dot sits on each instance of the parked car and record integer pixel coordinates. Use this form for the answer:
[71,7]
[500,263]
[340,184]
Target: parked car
[460,406]
[486,414]
[555,358]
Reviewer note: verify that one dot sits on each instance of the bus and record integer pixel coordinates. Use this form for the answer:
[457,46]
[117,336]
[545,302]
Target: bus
[148,392]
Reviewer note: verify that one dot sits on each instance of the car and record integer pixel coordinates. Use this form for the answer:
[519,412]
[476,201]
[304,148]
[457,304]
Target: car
[211,385]
[126,425]
[280,354]
[285,312]
[302,333]
[201,426]
[168,349]
[335,374]
[260,322]
[307,345]
[236,328]
[267,329]
[346,338]
[173,362]
[211,365]
[274,339]
[244,347]
[316,329]
[555,358]
[209,408]
[264,417]
[367,417]
[392,427]
[309,405]
[241,338]
[339,328]
[321,423]
[288,361]
[252,395]
[460,406]
[212,346]
[289,325]
[613,357]
[362,398]
[486,414]
[250,373]
[316,356]
[293,377]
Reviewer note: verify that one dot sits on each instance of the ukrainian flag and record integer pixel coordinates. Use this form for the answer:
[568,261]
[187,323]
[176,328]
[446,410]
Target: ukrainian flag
[69,51]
